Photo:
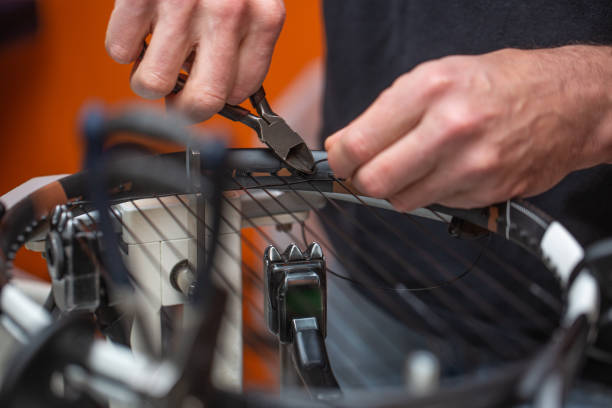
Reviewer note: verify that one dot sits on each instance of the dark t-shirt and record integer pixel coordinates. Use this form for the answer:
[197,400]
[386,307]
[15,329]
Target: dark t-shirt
[370,43]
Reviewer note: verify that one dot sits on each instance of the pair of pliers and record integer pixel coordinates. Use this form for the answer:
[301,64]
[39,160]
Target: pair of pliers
[271,129]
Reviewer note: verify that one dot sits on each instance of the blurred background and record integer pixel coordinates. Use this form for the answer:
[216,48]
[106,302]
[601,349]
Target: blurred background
[53,61]
[46,75]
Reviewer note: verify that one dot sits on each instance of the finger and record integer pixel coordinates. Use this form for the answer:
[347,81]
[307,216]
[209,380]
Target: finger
[481,191]
[430,189]
[256,48]
[213,71]
[129,23]
[329,142]
[170,44]
[404,162]
[393,114]
[461,199]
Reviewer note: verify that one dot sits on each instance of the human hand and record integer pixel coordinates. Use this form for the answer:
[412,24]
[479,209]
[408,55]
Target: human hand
[226,45]
[469,131]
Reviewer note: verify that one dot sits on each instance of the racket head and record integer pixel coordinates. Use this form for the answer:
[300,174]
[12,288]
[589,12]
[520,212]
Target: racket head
[490,344]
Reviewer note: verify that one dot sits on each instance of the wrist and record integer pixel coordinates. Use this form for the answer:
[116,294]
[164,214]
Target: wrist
[586,72]
[569,84]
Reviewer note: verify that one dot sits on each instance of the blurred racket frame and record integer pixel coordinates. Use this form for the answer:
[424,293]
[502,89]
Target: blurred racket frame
[153,261]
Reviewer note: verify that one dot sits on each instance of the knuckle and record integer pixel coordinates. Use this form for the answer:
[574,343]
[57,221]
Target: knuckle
[182,4]
[206,103]
[355,146]
[152,84]
[438,81]
[435,76]
[119,52]
[230,10]
[371,183]
[390,97]
[457,66]
[268,16]
[181,11]
[273,18]
[459,119]
[483,164]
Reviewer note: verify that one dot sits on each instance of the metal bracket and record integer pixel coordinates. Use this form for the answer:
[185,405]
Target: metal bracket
[72,253]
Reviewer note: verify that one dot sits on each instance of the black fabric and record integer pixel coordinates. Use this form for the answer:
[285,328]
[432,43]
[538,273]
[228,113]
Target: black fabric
[17,18]
[370,43]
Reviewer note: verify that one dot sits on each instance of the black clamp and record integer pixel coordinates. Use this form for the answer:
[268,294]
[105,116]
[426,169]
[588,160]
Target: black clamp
[295,308]
[295,287]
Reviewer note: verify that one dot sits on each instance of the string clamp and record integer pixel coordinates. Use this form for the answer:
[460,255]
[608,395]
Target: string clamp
[295,288]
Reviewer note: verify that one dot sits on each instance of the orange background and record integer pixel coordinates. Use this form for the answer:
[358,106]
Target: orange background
[47,77]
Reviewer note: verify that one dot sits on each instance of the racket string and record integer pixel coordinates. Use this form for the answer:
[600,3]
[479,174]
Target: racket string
[510,269]
[476,333]
[485,322]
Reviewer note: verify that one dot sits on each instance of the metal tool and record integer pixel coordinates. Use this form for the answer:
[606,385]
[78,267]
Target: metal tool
[271,129]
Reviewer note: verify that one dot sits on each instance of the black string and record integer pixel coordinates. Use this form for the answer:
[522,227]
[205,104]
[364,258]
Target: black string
[519,305]
[389,288]
[493,345]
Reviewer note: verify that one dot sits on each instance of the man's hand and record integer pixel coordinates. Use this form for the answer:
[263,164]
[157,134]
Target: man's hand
[469,131]
[226,45]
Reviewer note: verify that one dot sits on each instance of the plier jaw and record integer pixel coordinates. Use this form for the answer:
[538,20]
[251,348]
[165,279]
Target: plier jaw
[270,128]
[274,132]
[286,143]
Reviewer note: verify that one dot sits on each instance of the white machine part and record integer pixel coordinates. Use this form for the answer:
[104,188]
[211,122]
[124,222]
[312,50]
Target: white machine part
[152,254]
[151,258]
